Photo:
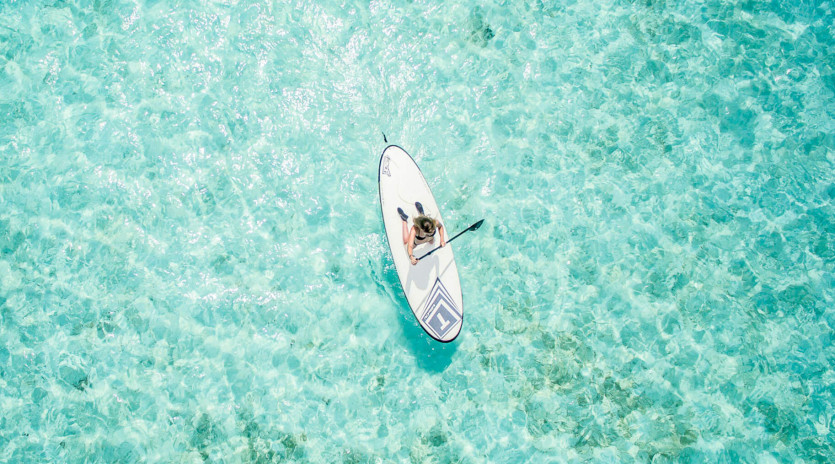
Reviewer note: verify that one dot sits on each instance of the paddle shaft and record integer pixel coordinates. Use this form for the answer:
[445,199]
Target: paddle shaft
[472,227]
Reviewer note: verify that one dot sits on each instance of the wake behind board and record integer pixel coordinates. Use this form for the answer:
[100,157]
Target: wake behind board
[432,287]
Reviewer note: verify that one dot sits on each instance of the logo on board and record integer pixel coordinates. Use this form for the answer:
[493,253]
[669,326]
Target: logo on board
[441,314]
[386,166]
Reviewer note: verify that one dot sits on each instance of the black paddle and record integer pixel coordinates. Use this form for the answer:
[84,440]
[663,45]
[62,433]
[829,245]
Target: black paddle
[472,227]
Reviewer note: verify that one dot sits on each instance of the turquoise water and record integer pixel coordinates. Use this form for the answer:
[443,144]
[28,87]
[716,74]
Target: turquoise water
[193,266]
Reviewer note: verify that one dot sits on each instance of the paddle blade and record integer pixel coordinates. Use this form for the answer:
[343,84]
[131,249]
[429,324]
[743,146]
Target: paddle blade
[475,226]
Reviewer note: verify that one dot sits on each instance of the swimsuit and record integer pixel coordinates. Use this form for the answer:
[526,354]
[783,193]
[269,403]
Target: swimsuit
[419,240]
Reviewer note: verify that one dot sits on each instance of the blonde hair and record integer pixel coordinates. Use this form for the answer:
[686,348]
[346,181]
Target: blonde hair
[425,224]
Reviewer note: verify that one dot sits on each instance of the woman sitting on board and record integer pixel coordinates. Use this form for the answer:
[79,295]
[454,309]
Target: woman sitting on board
[423,230]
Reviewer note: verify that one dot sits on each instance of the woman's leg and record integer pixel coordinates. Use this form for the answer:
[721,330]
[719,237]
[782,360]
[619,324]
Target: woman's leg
[404,217]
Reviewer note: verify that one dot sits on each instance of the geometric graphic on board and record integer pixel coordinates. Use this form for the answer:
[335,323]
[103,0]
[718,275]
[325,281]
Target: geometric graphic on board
[441,313]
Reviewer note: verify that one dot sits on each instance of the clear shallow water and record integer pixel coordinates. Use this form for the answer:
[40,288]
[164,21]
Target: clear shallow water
[192,264]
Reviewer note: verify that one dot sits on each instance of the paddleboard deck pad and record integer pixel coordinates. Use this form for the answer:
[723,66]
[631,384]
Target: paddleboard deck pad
[432,286]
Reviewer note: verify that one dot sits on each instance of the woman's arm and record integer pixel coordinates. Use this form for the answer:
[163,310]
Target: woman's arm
[441,232]
[411,246]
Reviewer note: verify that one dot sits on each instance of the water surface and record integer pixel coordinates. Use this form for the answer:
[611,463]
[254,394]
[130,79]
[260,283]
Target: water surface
[193,266]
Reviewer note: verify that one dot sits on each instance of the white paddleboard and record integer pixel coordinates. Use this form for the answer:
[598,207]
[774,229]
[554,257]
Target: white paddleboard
[432,287]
